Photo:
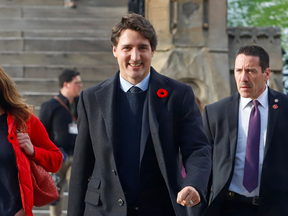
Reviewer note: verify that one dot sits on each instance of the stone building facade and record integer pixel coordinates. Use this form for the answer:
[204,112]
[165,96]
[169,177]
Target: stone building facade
[196,47]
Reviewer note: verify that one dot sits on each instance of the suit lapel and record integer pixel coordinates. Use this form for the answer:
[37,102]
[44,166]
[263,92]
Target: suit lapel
[232,109]
[155,103]
[107,99]
[145,130]
[152,107]
[272,117]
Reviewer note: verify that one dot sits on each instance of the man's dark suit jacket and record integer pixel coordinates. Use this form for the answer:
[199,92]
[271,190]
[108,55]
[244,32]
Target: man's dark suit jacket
[174,121]
[221,126]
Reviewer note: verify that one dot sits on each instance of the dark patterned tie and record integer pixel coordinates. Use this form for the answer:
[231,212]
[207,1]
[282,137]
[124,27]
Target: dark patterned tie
[251,168]
[135,89]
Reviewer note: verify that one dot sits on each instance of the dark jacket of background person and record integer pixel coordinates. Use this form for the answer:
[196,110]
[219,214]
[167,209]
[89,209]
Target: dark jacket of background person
[221,125]
[95,188]
[56,119]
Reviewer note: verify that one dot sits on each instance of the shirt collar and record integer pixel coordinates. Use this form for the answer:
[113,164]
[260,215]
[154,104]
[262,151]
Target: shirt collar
[262,99]
[143,85]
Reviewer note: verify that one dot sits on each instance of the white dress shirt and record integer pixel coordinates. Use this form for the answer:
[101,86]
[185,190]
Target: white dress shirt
[245,108]
[143,85]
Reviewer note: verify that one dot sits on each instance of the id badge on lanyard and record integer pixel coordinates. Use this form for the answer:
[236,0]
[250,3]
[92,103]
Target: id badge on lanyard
[73,128]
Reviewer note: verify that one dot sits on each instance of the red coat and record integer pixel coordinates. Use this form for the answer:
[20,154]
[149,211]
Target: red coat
[46,154]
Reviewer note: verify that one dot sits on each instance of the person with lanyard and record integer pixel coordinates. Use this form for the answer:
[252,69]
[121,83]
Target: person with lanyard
[59,116]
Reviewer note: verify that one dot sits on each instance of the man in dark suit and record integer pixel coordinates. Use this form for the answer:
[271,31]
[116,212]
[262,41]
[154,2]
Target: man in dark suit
[248,134]
[131,128]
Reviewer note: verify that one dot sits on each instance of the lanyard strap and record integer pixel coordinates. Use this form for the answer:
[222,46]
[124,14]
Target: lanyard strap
[65,106]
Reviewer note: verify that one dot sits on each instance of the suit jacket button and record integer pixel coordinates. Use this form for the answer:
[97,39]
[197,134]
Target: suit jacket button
[114,172]
[120,202]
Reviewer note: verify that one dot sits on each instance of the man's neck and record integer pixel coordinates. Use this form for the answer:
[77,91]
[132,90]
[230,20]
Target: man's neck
[67,95]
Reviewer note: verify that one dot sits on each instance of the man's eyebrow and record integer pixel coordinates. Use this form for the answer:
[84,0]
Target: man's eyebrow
[250,68]
[143,45]
[126,45]
[246,68]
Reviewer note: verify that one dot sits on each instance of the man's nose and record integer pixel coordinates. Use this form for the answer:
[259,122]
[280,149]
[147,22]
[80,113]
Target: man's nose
[135,55]
[243,77]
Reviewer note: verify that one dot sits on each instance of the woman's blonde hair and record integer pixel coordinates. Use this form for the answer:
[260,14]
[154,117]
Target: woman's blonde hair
[11,101]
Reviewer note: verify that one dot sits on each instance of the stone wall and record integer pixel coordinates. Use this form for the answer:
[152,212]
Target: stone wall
[196,47]
[193,44]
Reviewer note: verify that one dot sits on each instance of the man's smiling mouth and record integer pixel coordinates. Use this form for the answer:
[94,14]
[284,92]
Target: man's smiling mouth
[134,65]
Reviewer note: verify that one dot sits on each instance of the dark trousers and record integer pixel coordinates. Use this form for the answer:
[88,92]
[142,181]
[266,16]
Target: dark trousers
[132,212]
[237,208]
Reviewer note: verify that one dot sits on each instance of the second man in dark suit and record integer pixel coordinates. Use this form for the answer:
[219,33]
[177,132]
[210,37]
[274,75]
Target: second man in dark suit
[248,133]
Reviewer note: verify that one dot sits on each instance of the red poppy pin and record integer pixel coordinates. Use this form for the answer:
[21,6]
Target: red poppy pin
[162,93]
[275,106]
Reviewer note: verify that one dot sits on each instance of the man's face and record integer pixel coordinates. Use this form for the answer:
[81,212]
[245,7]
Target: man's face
[249,77]
[134,55]
[74,87]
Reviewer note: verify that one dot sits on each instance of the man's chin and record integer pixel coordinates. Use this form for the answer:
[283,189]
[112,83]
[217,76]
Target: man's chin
[245,95]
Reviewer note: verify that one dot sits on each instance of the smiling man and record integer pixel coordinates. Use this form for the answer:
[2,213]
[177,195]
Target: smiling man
[248,134]
[131,128]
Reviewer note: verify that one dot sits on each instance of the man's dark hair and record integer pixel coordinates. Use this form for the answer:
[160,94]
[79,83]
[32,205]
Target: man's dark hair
[134,22]
[67,76]
[253,50]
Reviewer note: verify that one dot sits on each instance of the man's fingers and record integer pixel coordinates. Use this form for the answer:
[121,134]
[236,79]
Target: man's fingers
[181,198]
[194,198]
[188,196]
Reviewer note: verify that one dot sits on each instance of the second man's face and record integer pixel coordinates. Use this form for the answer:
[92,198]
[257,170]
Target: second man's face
[134,55]
[249,76]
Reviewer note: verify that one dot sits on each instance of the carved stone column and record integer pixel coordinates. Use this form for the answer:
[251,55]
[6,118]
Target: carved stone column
[187,49]
[159,13]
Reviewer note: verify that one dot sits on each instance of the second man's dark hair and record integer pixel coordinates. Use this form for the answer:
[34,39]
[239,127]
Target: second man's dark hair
[253,50]
[67,76]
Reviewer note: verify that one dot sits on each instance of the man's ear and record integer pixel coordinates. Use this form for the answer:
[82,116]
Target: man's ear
[65,84]
[114,51]
[267,73]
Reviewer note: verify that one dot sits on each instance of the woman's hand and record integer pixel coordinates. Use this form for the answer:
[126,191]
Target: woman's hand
[25,144]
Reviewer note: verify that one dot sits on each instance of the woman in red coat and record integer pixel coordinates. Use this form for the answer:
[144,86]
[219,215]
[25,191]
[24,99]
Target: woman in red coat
[22,137]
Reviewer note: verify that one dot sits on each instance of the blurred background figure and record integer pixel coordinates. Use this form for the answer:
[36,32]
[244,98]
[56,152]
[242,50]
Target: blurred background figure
[59,116]
[23,137]
[199,104]
[70,4]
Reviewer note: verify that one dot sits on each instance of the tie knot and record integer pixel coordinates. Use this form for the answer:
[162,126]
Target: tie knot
[255,103]
[135,89]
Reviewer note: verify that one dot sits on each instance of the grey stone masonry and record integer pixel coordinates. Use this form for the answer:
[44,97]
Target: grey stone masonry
[40,38]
